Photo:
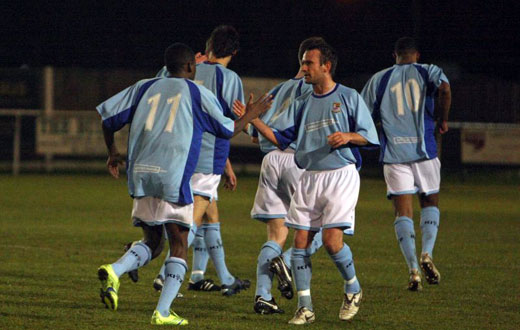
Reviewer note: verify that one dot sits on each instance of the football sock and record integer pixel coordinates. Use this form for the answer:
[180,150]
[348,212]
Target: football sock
[316,243]
[191,234]
[264,278]
[302,273]
[315,246]
[175,271]
[430,218]
[345,265]
[215,249]
[200,257]
[406,237]
[287,257]
[137,256]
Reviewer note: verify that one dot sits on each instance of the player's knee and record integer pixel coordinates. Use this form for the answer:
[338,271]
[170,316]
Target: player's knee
[333,246]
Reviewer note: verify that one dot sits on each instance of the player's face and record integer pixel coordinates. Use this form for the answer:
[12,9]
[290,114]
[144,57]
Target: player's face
[313,71]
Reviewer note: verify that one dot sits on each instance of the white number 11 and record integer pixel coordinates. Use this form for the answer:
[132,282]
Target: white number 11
[412,95]
[154,101]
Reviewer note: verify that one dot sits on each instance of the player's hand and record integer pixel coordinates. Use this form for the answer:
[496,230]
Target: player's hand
[230,182]
[113,162]
[337,139]
[259,106]
[199,58]
[442,126]
[239,108]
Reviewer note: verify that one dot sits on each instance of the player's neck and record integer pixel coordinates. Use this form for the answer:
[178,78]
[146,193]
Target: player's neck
[224,61]
[400,60]
[324,86]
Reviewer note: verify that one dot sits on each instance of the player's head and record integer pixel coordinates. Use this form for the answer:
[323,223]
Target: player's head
[180,61]
[223,42]
[319,60]
[405,49]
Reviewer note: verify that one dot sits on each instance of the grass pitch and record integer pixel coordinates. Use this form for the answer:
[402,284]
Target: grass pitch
[56,230]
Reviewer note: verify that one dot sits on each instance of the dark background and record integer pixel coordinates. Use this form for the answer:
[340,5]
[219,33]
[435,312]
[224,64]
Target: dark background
[472,36]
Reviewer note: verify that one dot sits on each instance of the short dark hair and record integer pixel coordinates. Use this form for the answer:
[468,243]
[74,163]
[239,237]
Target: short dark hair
[405,45]
[305,44]
[328,54]
[176,56]
[223,41]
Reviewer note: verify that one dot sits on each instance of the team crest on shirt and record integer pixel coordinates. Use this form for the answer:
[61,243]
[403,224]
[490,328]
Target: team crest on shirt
[336,107]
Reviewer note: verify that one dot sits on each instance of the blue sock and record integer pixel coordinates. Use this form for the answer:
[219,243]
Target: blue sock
[175,271]
[316,243]
[191,234]
[200,257]
[137,256]
[264,278]
[345,265]
[430,218]
[315,246]
[302,273]
[406,237]
[287,257]
[215,248]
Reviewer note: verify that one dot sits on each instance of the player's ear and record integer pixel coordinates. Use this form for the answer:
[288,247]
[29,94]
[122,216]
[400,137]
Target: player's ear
[418,55]
[328,66]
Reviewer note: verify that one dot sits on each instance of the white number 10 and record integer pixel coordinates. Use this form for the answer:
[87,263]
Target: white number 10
[412,94]
[154,101]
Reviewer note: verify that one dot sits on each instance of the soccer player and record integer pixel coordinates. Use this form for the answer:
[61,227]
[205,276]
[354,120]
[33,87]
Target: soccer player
[279,176]
[402,99]
[327,127]
[221,46]
[167,117]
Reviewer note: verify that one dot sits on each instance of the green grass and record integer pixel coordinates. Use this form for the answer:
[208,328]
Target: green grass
[56,230]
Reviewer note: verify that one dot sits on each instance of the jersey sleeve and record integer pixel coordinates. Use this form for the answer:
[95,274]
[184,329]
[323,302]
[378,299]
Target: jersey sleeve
[119,110]
[436,75]
[363,123]
[211,114]
[232,90]
[285,127]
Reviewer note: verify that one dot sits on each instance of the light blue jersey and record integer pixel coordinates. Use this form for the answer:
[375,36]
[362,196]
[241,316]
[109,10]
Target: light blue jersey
[312,118]
[402,98]
[227,87]
[283,95]
[167,118]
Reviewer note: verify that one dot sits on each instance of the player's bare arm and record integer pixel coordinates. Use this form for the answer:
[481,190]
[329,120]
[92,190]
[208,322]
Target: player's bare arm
[265,130]
[444,99]
[114,158]
[337,139]
[253,110]
[230,177]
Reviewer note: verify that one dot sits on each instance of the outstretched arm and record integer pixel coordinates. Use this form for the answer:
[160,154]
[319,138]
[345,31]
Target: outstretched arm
[114,158]
[265,130]
[444,102]
[253,110]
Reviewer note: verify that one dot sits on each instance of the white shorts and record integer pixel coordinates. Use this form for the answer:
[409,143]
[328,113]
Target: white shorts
[325,199]
[279,176]
[409,178]
[155,211]
[205,185]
